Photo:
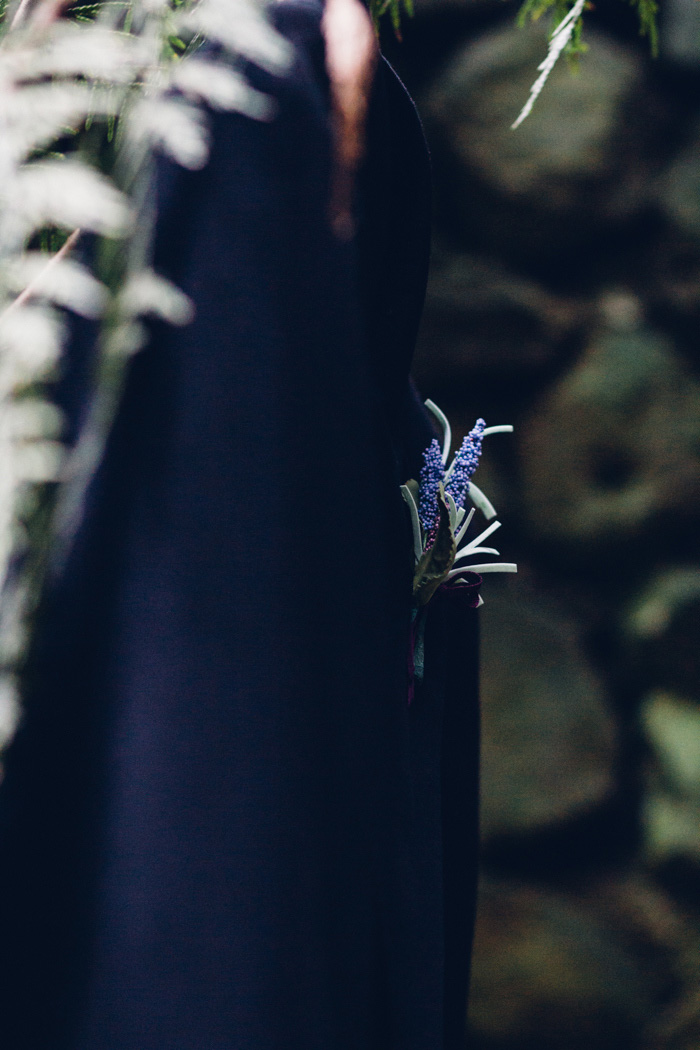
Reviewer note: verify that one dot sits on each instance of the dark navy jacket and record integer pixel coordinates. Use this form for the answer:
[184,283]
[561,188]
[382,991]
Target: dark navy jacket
[222,825]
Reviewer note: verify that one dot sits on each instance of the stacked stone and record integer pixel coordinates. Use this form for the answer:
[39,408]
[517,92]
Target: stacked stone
[565,298]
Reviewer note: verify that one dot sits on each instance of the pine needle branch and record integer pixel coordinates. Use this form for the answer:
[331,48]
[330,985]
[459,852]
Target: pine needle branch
[559,39]
[124,80]
[566,37]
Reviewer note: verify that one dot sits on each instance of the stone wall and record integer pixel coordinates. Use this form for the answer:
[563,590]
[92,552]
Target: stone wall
[565,299]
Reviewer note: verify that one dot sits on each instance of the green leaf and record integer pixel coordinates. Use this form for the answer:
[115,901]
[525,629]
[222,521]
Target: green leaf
[647,11]
[409,491]
[414,488]
[394,9]
[531,10]
[436,562]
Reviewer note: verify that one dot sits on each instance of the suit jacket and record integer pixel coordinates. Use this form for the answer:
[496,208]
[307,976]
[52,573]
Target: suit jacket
[222,825]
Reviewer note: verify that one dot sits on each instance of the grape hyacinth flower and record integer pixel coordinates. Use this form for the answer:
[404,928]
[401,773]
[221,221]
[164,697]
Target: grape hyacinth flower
[431,477]
[464,464]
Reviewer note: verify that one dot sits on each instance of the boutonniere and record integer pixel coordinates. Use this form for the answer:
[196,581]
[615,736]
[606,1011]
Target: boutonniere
[440,520]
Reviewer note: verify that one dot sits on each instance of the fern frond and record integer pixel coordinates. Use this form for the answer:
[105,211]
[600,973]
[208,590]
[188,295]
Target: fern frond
[118,80]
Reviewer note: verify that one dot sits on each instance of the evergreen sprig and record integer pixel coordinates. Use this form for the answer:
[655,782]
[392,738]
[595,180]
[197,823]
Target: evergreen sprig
[647,10]
[394,9]
[566,35]
[532,10]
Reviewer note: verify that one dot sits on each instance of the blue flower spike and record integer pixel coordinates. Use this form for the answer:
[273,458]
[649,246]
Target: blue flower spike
[431,477]
[464,464]
[454,482]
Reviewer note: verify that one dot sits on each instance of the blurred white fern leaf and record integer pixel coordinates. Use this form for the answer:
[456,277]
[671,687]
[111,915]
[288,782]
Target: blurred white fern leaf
[66,193]
[174,126]
[149,294]
[39,114]
[30,347]
[220,87]
[64,282]
[90,50]
[240,27]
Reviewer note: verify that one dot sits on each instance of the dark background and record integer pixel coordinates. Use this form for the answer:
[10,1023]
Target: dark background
[565,299]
